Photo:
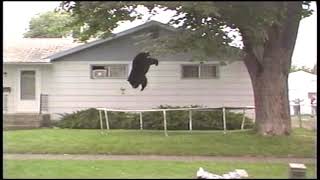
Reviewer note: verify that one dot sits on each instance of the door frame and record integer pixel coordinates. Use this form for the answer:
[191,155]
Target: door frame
[36,101]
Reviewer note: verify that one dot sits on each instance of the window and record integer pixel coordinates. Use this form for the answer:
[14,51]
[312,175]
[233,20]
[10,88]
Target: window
[208,71]
[109,71]
[117,70]
[190,71]
[28,85]
[202,71]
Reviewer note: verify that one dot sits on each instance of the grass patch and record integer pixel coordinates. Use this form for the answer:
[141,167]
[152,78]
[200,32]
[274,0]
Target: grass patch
[214,143]
[303,132]
[138,169]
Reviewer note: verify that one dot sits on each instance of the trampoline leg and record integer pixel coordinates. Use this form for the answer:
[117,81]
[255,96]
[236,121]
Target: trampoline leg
[107,119]
[243,119]
[165,123]
[141,123]
[190,120]
[101,124]
[224,120]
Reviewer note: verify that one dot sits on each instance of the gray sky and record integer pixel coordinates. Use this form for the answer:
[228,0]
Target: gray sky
[17,14]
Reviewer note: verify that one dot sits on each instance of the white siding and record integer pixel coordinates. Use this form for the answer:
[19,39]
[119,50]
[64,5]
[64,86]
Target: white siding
[12,81]
[9,81]
[70,88]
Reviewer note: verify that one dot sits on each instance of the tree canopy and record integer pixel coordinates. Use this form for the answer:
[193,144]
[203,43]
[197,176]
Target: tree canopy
[207,25]
[50,24]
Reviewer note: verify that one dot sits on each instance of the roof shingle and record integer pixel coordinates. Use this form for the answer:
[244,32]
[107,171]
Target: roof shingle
[34,49]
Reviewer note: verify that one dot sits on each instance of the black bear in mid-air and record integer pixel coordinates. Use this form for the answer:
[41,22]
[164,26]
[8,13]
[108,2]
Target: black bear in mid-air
[140,66]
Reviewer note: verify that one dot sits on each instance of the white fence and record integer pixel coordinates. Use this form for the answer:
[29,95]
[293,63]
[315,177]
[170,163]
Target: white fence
[140,111]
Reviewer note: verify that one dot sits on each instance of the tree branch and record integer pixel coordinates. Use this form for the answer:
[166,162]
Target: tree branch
[251,59]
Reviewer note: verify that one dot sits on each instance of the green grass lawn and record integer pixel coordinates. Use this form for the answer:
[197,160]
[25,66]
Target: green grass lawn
[72,141]
[138,169]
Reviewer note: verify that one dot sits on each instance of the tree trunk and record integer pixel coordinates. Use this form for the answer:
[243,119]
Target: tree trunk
[269,73]
[271,99]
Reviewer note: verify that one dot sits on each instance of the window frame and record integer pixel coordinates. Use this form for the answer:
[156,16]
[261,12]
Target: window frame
[199,71]
[108,71]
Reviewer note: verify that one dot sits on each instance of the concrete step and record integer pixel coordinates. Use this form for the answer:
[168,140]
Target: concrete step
[18,127]
[22,116]
[11,119]
[24,120]
[33,124]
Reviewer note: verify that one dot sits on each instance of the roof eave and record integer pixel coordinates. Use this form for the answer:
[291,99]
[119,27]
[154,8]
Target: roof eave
[28,63]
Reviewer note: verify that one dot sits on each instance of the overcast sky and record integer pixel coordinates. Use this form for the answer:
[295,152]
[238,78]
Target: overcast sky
[17,14]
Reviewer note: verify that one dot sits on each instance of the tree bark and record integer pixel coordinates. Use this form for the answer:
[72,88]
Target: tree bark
[271,99]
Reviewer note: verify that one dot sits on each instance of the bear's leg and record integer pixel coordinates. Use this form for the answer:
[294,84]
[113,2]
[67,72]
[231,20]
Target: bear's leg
[144,83]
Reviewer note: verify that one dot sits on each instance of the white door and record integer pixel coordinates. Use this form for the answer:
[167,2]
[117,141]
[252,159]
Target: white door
[28,91]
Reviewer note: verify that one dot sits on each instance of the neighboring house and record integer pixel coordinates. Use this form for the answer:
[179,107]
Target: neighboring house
[303,86]
[59,76]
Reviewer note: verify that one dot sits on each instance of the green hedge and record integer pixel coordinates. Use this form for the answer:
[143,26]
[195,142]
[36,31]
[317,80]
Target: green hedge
[176,120]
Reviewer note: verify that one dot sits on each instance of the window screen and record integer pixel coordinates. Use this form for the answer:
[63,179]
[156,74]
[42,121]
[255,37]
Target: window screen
[190,71]
[28,85]
[208,71]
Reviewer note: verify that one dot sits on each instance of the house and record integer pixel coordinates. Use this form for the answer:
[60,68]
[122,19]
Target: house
[302,86]
[55,76]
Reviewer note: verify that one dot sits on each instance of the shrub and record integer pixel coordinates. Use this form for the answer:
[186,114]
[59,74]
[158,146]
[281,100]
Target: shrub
[122,120]
[85,119]
[176,120]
